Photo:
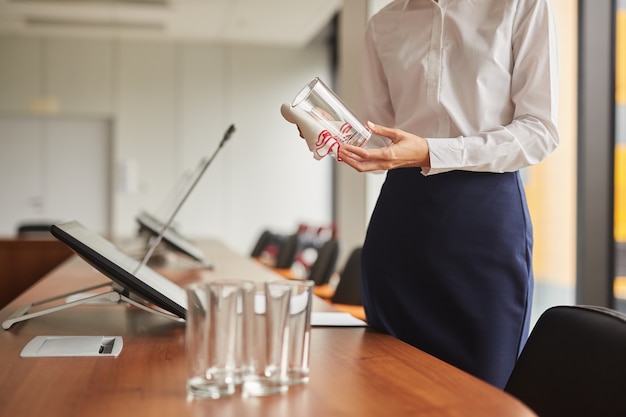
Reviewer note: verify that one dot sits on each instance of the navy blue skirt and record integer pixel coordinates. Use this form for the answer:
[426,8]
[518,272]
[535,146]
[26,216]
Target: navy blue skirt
[446,267]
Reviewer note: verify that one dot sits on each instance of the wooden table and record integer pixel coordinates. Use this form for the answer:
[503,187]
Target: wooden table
[354,371]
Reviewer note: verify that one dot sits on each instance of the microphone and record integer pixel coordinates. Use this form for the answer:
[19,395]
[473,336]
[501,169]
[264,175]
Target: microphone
[166,225]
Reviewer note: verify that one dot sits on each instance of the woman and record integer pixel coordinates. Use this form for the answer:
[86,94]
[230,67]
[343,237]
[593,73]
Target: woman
[469,88]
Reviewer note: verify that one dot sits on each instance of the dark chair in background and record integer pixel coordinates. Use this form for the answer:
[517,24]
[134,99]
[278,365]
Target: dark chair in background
[347,294]
[344,290]
[262,243]
[573,364]
[348,290]
[287,252]
[275,250]
[310,252]
[324,266]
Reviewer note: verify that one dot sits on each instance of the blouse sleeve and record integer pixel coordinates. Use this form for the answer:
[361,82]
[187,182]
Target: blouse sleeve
[532,135]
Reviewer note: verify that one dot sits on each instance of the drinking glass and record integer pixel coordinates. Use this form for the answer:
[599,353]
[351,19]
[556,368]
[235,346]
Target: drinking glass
[327,109]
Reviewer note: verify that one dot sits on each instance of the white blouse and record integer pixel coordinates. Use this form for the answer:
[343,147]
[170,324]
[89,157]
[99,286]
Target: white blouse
[477,78]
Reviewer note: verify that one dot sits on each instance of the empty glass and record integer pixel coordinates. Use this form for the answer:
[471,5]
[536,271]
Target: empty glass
[267,340]
[211,338]
[299,329]
[324,107]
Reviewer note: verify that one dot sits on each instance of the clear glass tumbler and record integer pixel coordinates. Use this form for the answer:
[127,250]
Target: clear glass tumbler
[323,106]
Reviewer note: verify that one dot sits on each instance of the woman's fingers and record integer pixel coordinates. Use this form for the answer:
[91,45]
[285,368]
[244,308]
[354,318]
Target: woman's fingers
[393,134]
[353,151]
[363,159]
[406,150]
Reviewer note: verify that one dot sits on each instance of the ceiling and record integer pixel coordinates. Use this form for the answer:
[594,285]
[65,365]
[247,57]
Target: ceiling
[290,23]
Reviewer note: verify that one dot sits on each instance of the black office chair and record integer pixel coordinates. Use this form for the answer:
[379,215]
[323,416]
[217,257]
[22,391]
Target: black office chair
[573,364]
[275,250]
[324,265]
[265,239]
[287,252]
[348,289]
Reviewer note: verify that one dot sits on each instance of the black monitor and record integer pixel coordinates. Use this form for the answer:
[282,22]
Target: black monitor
[171,237]
[127,272]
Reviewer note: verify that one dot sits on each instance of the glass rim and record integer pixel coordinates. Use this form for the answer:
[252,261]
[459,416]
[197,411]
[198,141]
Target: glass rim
[305,92]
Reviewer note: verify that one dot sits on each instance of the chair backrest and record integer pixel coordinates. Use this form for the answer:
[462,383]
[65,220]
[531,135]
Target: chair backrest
[573,364]
[265,239]
[287,251]
[275,250]
[324,266]
[348,289]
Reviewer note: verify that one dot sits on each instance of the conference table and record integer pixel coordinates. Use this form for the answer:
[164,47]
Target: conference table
[355,371]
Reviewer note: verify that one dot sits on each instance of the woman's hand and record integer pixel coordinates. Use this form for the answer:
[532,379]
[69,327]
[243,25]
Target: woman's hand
[407,150]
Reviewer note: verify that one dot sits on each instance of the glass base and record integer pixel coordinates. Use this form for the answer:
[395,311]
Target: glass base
[256,386]
[201,388]
[297,376]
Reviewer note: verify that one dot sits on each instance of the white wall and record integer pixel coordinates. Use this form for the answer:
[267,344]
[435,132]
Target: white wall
[170,104]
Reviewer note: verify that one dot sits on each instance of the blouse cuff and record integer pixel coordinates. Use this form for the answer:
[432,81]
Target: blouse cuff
[446,154]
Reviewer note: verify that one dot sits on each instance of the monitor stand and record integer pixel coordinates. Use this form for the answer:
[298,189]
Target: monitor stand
[115,295]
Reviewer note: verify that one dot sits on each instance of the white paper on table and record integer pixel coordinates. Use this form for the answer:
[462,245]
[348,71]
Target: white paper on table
[331,318]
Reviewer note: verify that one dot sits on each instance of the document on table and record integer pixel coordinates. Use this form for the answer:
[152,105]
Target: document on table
[338,319]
